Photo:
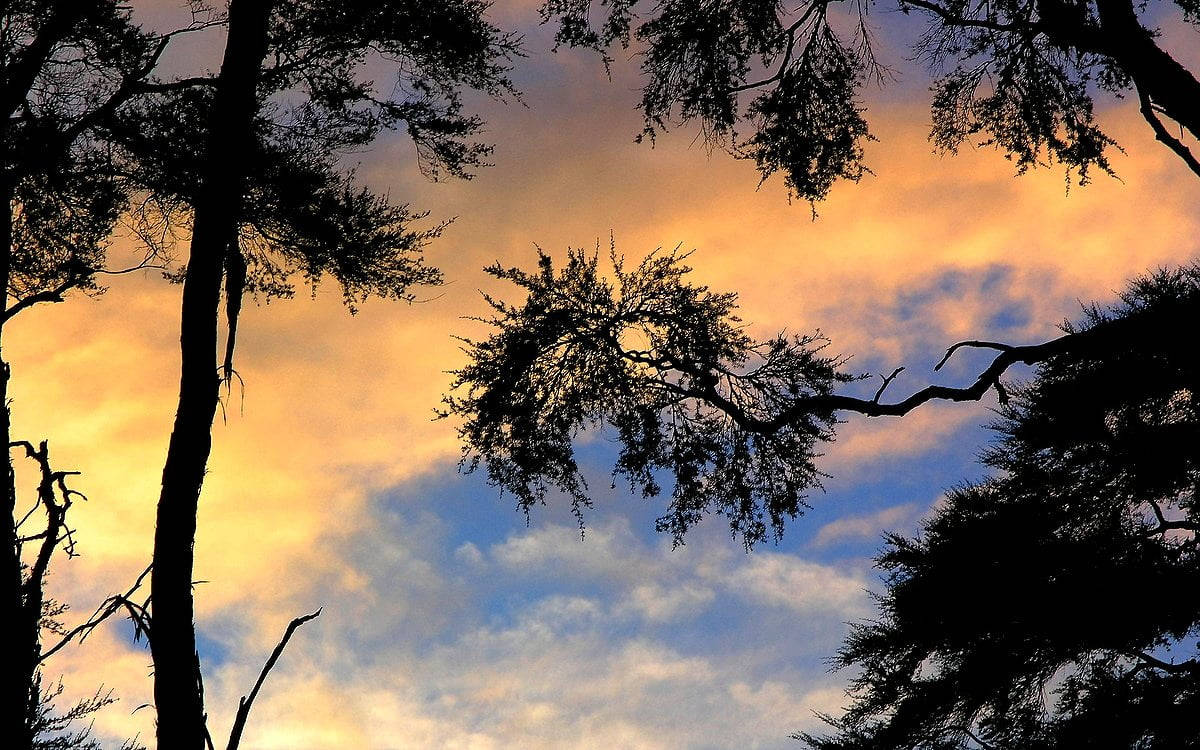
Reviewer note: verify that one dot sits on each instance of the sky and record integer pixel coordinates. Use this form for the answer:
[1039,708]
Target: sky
[449,619]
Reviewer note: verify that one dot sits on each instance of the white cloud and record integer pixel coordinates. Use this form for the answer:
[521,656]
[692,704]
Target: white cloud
[807,588]
[657,603]
[869,526]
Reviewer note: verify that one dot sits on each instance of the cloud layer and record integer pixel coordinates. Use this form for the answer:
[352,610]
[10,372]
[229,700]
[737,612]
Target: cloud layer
[448,622]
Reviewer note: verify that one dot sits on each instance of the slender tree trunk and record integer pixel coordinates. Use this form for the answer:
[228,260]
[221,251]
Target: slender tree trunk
[18,690]
[178,694]
[18,686]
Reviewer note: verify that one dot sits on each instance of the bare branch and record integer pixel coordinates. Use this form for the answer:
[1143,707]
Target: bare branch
[954,19]
[976,344]
[239,723]
[1191,665]
[107,608]
[48,295]
[886,382]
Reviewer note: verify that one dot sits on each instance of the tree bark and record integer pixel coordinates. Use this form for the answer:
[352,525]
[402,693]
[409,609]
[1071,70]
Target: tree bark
[178,693]
[1121,36]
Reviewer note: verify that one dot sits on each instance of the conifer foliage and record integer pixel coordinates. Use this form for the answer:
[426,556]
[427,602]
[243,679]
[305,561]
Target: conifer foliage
[1052,605]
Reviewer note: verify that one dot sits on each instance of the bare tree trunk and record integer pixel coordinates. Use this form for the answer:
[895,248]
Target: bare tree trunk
[18,693]
[18,690]
[178,694]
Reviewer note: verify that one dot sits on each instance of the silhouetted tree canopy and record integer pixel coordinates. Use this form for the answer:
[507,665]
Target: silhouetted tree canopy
[304,215]
[733,424]
[257,169]
[64,70]
[780,84]
[1053,605]
[667,366]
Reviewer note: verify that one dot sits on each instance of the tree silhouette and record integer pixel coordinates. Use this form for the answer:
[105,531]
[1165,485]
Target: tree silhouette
[268,202]
[65,69]
[666,364]
[1021,75]
[735,422]
[1049,606]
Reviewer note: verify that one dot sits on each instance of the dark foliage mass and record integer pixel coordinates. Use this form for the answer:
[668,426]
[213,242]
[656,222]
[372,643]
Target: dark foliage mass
[66,195]
[666,365]
[1052,605]
[1022,76]
[303,215]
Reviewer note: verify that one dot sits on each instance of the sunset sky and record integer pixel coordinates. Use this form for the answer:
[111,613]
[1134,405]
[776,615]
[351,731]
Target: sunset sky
[451,622]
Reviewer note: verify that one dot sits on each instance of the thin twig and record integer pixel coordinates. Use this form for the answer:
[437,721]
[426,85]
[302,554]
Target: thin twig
[886,382]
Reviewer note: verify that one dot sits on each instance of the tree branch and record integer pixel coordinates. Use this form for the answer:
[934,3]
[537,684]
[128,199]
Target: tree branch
[1191,665]
[107,608]
[1161,133]
[243,711]
[976,344]
[47,295]
[787,52]
[886,382]
[1093,338]
[952,19]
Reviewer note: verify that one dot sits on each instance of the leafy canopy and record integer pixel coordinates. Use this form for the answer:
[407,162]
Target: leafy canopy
[64,67]
[665,364]
[781,84]
[304,214]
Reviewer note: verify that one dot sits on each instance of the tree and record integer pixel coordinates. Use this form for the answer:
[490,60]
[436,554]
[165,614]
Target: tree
[736,423]
[1021,75]
[268,202]
[65,68]
[38,724]
[1048,606]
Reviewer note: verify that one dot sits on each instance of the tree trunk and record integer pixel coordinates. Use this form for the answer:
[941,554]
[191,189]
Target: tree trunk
[178,694]
[18,686]
[1168,83]
[1121,36]
[18,691]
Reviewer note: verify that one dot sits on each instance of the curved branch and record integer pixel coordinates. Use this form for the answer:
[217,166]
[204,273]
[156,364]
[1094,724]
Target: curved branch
[1160,132]
[1191,665]
[1082,341]
[47,295]
[107,608]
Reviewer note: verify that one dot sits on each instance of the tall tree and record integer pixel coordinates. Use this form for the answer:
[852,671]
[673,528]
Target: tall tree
[65,68]
[268,202]
[1050,606]
[1019,74]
